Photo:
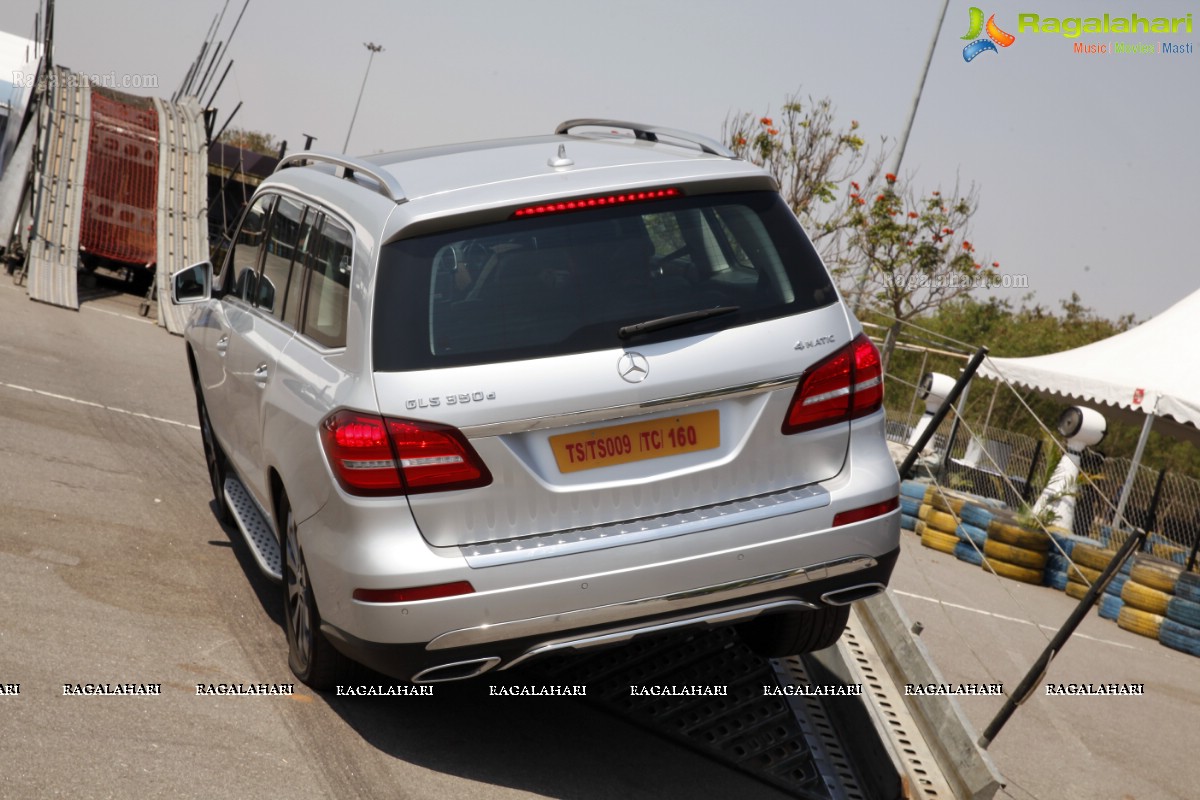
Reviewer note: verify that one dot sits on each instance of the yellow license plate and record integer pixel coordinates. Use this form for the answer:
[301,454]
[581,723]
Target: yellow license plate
[637,441]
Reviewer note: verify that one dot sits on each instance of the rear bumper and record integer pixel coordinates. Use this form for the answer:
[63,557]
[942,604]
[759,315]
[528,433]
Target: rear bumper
[470,651]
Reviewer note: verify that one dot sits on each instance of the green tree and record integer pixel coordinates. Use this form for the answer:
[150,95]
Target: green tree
[911,252]
[257,141]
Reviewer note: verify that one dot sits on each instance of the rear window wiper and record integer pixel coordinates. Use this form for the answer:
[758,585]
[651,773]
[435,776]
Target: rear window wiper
[626,331]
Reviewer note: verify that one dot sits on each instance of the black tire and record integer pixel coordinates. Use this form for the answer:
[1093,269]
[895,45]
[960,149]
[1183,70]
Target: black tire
[310,655]
[794,633]
[214,459]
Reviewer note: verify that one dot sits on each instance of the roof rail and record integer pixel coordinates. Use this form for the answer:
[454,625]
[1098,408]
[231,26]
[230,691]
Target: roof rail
[650,133]
[389,187]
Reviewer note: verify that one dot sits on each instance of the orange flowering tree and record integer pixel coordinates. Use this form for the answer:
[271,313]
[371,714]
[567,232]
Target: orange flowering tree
[912,250]
[810,156]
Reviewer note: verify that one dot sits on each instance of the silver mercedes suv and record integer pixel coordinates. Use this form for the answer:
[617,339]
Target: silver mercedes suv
[477,404]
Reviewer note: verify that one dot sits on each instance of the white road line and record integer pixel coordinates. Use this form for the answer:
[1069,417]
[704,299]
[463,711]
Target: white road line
[113,409]
[1006,618]
[117,314]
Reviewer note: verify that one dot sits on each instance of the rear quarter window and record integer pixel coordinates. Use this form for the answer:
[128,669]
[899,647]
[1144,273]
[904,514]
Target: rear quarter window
[566,283]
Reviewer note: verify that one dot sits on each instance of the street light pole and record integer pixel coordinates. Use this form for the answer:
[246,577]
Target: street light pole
[374,48]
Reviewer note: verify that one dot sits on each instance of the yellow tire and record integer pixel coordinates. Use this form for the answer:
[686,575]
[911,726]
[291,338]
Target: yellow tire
[1140,622]
[946,523]
[1017,556]
[937,540]
[950,504]
[1017,536]
[1155,573]
[1073,576]
[923,511]
[921,528]
[1017,573]
[1087,555]
[1145,598]
[1078,590]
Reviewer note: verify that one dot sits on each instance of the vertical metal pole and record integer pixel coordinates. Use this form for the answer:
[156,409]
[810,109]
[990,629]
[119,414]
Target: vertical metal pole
[1027,489]
[1152,514]
[916,390]
[374,48]
[954,426]
[1118,517]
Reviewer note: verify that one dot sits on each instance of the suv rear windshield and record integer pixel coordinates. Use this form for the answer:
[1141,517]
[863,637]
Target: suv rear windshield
[570,282]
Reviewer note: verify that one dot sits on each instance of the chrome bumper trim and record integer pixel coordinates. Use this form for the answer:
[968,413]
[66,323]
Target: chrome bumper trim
[706,518]
[616,613]
[618,637]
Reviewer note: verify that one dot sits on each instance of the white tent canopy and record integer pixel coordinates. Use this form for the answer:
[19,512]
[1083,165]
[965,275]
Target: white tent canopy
[1153,368]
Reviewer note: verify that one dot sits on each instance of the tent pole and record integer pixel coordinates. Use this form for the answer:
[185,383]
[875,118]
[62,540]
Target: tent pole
[1118,518]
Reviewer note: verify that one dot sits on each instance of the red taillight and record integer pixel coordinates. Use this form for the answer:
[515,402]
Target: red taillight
[599,201]
[436,457]
[866,512]
[364,451]
[413,593]
[845,386]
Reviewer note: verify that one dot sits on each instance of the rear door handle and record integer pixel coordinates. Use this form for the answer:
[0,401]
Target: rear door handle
[223,344]
[260,375]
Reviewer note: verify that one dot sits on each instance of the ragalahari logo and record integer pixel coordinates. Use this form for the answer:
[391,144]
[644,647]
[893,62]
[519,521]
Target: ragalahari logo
[995,36]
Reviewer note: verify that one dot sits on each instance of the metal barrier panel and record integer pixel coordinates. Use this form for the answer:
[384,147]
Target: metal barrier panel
[182,200]
[58,199]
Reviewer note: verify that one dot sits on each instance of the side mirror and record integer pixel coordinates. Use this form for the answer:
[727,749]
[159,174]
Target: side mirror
[192,285]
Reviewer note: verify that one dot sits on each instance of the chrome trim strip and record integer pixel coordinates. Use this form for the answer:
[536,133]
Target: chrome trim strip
[617,412]
[651,133]
[484,665]
[663,604]
[617,637]
[619,534]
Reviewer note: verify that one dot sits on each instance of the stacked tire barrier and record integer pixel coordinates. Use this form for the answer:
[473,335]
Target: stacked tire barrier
[1087,562]
[1180,629]
[912,494]
[1014,551]
[1147,593]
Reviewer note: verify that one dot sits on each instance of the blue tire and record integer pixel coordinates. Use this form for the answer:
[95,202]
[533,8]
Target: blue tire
[1055,579]
[963,551]
[1116,585]
[908,522]
[977,515]
[909,505]
[1180,637]
[1187,586]
[1185,612]
[914,489]
[1110,607]
[969,533]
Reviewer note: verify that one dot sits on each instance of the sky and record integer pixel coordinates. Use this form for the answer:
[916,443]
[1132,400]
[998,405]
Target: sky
[1087,166]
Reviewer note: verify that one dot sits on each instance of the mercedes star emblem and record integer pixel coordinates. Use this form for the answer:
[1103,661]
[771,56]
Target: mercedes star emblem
[633,367]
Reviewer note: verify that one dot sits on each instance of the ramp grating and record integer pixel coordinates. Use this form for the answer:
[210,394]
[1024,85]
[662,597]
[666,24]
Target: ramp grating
[787,744]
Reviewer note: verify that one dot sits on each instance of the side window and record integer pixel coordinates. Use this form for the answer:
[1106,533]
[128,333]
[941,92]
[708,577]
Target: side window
[328,299]
[295,287]
[282,236]
[248,247]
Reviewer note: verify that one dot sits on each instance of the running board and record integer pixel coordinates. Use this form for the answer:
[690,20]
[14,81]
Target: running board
[255,530]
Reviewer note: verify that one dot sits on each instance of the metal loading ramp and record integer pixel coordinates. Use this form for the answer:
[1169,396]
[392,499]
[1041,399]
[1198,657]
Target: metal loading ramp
[182,200]
[58,207]
[817,738]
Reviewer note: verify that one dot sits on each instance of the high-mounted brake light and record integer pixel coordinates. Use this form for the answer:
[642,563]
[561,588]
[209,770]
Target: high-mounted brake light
[413,593]
[845,386]
[599,201]
[364,451]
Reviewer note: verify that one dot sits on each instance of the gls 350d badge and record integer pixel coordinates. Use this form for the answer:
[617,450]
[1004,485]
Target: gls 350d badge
[449,400]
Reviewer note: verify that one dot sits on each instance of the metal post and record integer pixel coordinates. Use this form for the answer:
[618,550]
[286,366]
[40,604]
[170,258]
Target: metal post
[940,414]
[1152,513]
[916,390]
[1027,489]
[374,48]
[1038,670]
[954,426]
[1118,517]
